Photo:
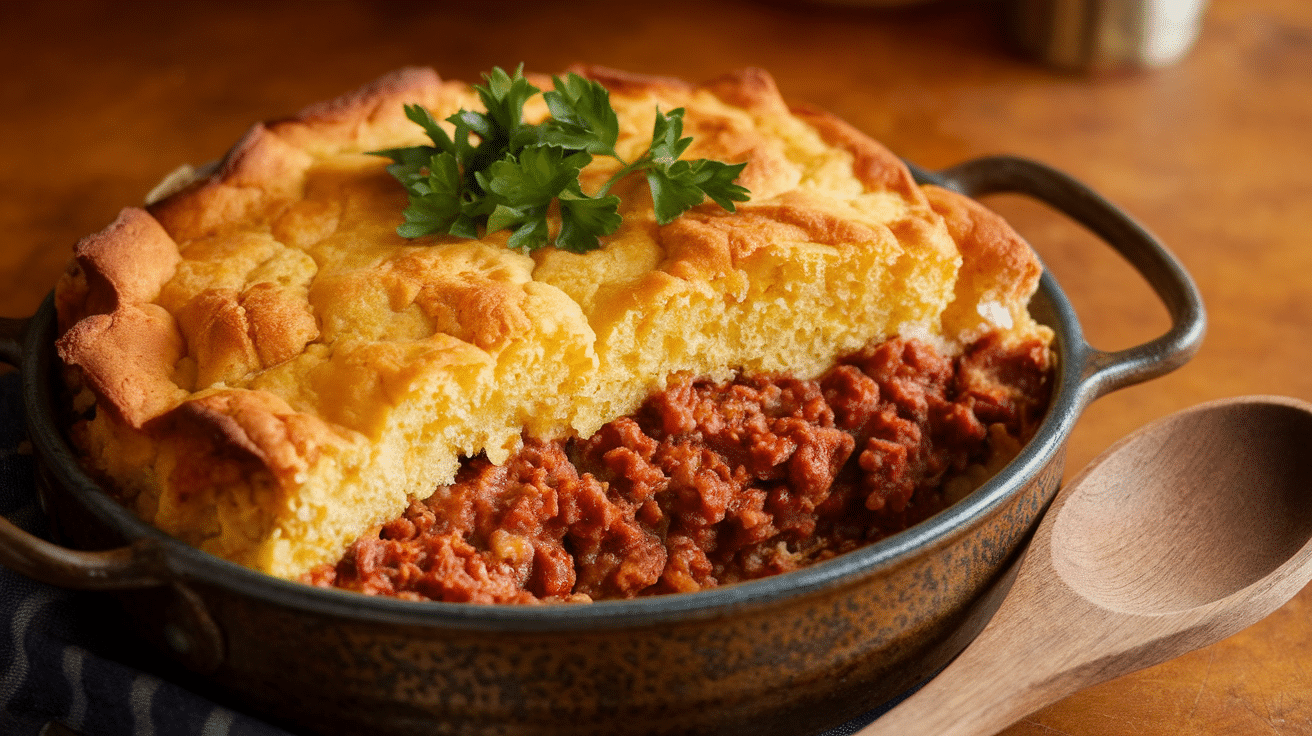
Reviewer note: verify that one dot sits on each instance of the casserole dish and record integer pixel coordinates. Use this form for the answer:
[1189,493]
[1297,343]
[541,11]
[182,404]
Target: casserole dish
[792,654]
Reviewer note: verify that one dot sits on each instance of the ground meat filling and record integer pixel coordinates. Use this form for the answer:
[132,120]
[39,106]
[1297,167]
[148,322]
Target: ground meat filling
[711,483]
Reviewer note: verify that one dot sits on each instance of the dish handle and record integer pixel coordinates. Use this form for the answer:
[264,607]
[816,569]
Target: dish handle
[138,565]
[1103,372]
[11,339]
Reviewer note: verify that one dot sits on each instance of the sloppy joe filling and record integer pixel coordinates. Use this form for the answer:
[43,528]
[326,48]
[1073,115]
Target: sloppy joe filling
[712,483]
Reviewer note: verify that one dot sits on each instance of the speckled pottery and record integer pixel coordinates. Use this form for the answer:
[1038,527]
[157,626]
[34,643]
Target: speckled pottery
[793,654]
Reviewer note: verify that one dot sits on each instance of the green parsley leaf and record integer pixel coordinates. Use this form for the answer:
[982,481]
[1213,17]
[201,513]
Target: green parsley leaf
[523,188]
[528,222]
[494,172]
[672,191]
[678,185]
[582,117]
[434,199]
[503,96]
[538,175]
[420,115]
[583,219]
[667,141]
[718,180]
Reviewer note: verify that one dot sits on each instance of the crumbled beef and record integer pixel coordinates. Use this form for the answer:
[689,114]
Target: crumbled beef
[710,483]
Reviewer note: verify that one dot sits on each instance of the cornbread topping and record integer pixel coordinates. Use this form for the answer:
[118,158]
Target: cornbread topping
[265,369]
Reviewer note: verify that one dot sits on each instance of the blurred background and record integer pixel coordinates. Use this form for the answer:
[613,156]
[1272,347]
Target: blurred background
[1206,142]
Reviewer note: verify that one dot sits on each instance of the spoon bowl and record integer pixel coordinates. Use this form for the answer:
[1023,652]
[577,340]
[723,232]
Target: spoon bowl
[1235,475]
[1189,530]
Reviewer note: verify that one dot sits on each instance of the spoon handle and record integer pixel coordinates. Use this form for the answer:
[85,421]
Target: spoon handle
[1015,667]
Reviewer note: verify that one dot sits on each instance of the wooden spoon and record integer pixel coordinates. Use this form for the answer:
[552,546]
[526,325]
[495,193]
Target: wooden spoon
[1183,533]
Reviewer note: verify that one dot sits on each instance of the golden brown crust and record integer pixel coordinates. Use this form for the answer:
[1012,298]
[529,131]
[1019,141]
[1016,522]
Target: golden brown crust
[995,248]
[342,118]
[620,81]
[127,358]
[125,263]
[279,324]
[999,271]
[277,370]
[254,423]
[875,165]
[751,88]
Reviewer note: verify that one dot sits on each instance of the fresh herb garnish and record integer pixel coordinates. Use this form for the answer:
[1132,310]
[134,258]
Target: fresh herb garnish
[507,174]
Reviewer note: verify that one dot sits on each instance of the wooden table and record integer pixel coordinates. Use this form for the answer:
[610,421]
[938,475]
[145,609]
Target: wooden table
[100,100]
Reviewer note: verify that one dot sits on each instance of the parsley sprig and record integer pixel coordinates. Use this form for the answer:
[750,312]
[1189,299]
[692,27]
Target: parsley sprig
[498,173]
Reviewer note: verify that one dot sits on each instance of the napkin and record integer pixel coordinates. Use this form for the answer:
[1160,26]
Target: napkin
[65,665]
[63,657]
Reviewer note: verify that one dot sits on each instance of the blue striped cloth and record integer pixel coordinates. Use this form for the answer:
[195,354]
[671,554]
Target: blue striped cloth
[64,662]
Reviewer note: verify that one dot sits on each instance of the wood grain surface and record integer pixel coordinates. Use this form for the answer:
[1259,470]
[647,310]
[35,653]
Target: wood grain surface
[98,101]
